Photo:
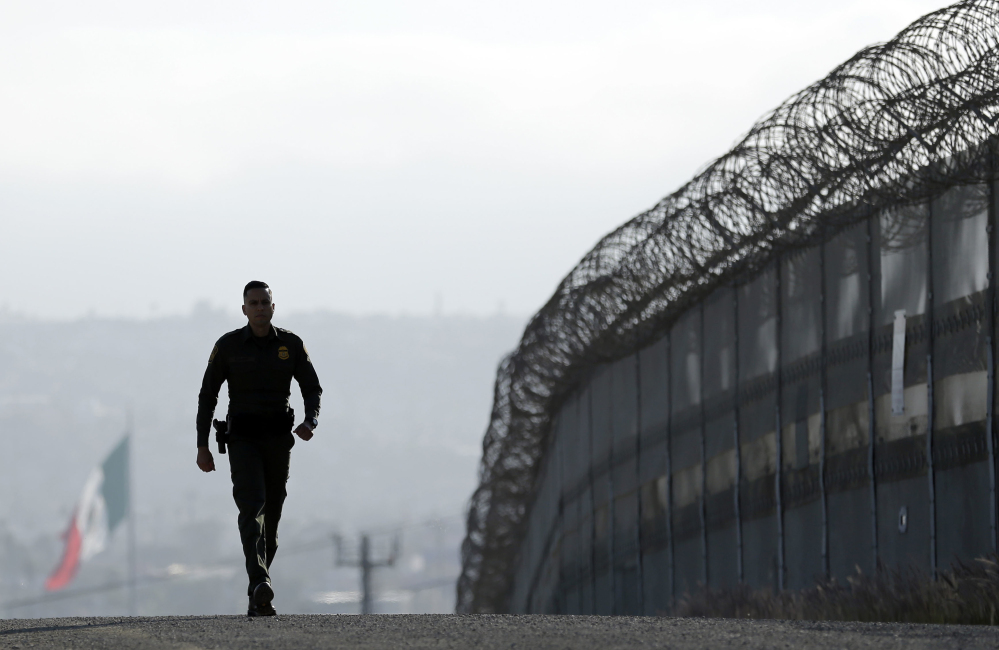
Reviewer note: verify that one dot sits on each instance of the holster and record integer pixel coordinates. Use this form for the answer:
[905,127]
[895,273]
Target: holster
[221,434]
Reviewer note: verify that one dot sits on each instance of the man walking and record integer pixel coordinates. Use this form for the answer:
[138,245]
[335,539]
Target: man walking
[259,362]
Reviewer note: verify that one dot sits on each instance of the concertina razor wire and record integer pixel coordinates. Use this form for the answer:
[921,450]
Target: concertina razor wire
[894,125]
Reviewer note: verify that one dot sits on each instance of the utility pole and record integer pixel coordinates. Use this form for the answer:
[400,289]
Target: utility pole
[364,562]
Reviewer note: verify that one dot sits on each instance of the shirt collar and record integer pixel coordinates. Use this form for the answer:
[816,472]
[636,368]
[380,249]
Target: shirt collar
[248,333]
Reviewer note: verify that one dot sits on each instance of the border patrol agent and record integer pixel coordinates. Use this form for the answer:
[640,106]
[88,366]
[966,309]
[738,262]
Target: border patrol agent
[259,362]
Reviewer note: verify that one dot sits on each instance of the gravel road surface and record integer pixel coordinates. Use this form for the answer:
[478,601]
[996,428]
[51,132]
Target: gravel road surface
[449,631]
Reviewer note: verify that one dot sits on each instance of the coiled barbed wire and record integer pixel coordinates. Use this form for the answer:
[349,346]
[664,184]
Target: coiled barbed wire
[894,125]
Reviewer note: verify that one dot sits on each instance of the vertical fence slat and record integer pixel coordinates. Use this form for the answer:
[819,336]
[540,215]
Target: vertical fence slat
[990,351]
[704,467]
[669,470]
[779,470]
[871,429]
[735,432]
[593,507]
[638,468]
[822,410]
[930,413]
[611,520]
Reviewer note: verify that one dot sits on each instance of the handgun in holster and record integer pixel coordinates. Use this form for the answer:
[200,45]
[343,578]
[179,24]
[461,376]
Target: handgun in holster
[221,433]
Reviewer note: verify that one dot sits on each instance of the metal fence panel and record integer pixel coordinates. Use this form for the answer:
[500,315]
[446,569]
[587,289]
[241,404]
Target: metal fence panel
[909,544]
[627,584]
[801,308]
[572,487]
[586,528]
[757,323]
[540,534]
[758,354]
[720,511]
[656,564]
[624,391]
[555,586]
[719,438]
[602,423]
[686,451]
[654,375]
[760,552]
[960,244]
[757,363]
[902,274]
[758,326]
[846,284]
[719,343]
[847,325]
[577,451]
[903,260]
[573,471]
[960,266]
[654,391]
[801,334]
[850,533]
[803,545]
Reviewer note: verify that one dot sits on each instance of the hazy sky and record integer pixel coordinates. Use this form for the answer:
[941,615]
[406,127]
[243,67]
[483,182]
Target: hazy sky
[369,156]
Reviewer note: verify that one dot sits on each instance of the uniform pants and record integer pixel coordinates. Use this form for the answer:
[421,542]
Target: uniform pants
[259,468]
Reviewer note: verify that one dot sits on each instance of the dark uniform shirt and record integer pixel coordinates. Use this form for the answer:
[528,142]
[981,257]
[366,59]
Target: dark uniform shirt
[259,371]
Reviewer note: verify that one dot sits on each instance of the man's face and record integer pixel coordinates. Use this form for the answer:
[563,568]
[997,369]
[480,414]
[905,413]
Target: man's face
[257,307]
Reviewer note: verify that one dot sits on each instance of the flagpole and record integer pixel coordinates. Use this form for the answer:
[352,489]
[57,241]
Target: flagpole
[131,520]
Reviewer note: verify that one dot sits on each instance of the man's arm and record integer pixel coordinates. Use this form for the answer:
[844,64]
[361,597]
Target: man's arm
[208,399]
[312,392]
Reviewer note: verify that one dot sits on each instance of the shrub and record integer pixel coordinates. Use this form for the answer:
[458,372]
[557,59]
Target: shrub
[965,594]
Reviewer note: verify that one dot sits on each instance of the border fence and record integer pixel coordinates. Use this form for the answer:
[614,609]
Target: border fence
[782,371]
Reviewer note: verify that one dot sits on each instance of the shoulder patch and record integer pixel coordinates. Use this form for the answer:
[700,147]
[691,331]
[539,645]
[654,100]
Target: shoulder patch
[215,351]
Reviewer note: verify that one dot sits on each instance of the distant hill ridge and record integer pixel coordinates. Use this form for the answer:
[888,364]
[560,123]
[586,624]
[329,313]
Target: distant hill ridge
[406,401]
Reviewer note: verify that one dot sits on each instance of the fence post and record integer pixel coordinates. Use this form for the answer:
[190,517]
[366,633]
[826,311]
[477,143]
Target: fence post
[738,446]
[990,306]
[669,467]
[778,472]
[638,469]
[704,467]
[611,524]
[930,411]
[871,428]
[822,407]
[593,503]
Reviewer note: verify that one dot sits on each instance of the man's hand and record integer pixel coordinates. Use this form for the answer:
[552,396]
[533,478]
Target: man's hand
[205,460]
[304,431]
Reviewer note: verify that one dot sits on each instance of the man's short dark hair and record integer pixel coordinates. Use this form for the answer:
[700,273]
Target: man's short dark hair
[255,284]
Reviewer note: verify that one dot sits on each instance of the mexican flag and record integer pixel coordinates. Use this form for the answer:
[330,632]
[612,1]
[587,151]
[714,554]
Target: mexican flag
[102,506]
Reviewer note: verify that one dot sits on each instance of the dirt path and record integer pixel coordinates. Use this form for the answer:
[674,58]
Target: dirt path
[487,632]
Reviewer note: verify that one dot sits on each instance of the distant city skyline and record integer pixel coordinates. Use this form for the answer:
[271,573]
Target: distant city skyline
[369,158]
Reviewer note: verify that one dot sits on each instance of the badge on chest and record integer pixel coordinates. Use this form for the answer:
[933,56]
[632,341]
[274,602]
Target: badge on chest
[283,353]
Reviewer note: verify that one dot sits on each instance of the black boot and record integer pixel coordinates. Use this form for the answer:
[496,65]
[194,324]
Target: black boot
[260,601]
